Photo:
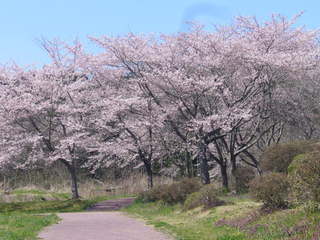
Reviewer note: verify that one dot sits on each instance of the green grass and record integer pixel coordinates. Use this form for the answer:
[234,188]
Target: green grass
[197,224]
[191,225]
[41,193]
[23,226]
[25,195]
[46,206]
[18,220]
[287,224]
[28,191]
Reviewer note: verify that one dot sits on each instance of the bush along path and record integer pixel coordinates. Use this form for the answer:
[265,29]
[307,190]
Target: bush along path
[101,221]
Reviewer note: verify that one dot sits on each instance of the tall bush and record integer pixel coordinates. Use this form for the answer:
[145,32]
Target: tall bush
[272,189]
[172,193]
[277,158]
[304,175]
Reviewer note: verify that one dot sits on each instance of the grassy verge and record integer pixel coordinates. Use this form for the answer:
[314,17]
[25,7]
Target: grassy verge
[19,220]
[27,195]
[196,224]
[45,206]
[23,226]
[53,206]
[238,220]
[291,224]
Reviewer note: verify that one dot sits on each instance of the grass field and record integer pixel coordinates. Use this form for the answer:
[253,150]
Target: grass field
[240,219]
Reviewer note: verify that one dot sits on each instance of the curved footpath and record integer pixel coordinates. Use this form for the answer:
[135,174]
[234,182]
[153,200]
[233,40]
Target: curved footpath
[98,225]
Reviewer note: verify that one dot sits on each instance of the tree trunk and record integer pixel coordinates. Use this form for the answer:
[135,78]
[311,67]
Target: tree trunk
[224,175]
[74,181]
[189,165]
[6,187]
[259,171]
[234,174]
[149,174]
[233,166]
[204,168]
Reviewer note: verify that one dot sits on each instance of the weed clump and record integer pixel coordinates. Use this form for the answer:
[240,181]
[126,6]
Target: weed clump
[206,197]
[171,193]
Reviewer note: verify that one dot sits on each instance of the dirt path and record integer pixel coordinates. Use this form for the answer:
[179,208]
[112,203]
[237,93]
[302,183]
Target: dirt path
[94,225]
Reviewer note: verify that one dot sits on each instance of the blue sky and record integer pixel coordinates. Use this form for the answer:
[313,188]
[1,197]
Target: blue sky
[22,22]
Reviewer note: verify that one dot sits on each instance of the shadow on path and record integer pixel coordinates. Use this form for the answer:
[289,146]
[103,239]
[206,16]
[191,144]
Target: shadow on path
[111,205]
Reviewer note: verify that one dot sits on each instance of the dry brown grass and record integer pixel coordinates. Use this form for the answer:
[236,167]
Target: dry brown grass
[89,188]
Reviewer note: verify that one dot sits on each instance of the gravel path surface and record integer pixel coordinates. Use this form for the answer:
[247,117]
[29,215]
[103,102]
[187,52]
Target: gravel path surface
[94,225]
[100,226]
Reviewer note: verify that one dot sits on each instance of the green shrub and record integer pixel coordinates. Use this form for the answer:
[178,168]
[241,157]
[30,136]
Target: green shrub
[173,193]
[150,195]
[206,197]
[192,201]
[243,176]
[277,158]
[304,175]
[272,189]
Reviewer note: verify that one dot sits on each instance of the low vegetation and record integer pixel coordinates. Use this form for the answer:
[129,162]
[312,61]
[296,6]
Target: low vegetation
[194,224]
[208,197]
[171,193]
[272,189]
[46,206]
[240,218]
[19,226]
[269,211]
[304,175]
[27,195]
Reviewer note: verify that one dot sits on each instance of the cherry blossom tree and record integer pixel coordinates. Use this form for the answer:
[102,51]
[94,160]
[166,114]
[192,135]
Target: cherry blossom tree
[126,112]
[43,110]
[212,95]
[218,86]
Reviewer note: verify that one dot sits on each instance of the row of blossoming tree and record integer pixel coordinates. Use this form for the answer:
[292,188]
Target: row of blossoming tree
[213,97]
